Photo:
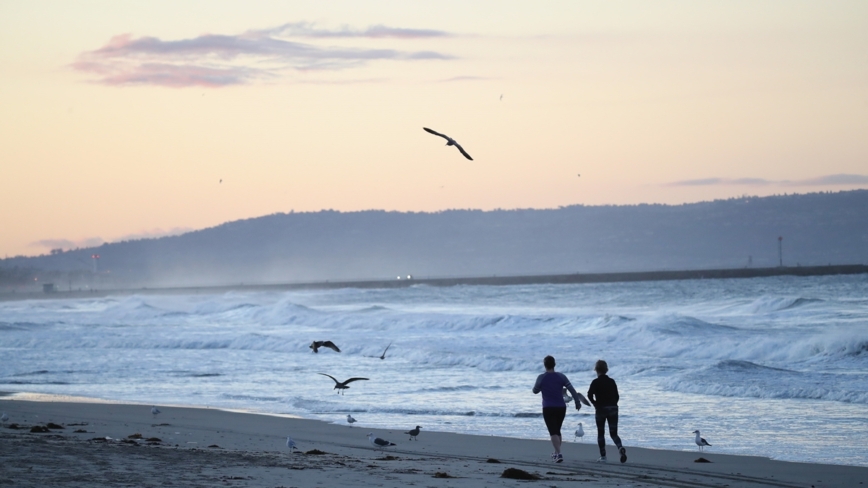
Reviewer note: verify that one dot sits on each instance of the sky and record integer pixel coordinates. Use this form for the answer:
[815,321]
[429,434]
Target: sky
[123,120]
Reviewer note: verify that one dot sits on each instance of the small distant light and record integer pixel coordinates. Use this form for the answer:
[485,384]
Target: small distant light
[399,277]
[409,277]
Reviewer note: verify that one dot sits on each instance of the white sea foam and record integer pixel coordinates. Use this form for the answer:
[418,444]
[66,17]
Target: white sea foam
[464,358]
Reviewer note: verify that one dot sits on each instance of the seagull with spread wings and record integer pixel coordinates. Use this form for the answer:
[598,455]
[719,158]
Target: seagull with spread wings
[383,356]
[449,142]
[342,385]
[315,345]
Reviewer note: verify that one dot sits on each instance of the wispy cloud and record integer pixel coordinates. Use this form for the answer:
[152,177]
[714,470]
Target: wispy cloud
[828,180]
[213,60]
[839,179]
[67,244]
[308,29]
[464,78]
[155,233]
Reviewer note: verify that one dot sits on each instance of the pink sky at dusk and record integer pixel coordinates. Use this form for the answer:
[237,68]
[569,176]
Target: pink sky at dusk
[120,119]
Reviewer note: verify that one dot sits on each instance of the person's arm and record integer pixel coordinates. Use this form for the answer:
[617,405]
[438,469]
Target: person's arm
[615,387]
[538,385]
[576,395]
[592,393]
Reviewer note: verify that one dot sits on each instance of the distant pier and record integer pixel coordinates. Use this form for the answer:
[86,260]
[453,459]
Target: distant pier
[551,279]
[563,279]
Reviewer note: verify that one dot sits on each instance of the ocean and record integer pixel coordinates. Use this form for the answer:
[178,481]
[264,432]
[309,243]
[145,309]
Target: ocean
[774,367]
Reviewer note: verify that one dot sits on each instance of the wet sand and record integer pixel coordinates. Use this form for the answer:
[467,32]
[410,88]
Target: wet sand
[209,447]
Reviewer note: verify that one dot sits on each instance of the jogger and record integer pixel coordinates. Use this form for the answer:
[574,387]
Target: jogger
[603,394]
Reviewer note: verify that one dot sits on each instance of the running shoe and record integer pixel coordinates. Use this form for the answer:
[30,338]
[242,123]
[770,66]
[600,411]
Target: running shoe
[560,458]
[623,455]
[602,459]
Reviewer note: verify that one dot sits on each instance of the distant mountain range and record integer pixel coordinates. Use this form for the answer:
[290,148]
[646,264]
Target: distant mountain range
[817,229]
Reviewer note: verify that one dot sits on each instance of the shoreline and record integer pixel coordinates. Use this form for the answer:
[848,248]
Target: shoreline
[201,446]
[550,279]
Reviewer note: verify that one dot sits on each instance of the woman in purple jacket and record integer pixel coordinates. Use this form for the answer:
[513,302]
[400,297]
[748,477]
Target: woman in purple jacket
[554,408]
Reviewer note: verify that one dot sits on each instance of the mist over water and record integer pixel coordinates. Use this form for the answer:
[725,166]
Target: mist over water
[774,367]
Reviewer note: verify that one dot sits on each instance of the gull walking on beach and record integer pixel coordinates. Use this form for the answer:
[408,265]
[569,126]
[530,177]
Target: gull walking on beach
[377,442]
[580,433]
[413,433]
[342,385]
[4,418]
[350,420]
[700,441]
[449,142]
[155,411]
[291,444]
[315,345]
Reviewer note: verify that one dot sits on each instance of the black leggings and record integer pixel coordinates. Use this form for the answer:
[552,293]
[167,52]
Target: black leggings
[554,417]
[603,415]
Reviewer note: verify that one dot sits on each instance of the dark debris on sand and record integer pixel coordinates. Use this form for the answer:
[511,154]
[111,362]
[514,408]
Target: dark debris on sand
[518,474]
[702,460]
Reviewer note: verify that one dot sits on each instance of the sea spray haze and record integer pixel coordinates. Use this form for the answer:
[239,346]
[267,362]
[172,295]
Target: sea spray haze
[773,367]
[818,229]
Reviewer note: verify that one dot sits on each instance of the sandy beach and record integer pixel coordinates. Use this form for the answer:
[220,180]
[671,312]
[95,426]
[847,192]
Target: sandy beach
[105,444]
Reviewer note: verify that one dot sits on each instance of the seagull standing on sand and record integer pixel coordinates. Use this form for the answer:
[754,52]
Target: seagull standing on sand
[377,442]
[350,420]
[4,418]
[315,345]
[341,385]
[291,445]
[413,433]
[580,433]
[449,142]
[155,411]
[383,356]
[700,441]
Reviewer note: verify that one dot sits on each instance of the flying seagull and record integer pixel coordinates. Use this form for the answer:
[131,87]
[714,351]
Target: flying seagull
[341,386]
[350,420]
[580,433]
[383,356]
[377,442]
[155,411]
[315,345]
[413,433]
[700,441]
[449,142]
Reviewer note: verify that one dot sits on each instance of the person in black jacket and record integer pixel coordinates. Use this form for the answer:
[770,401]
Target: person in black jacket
[603,394]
